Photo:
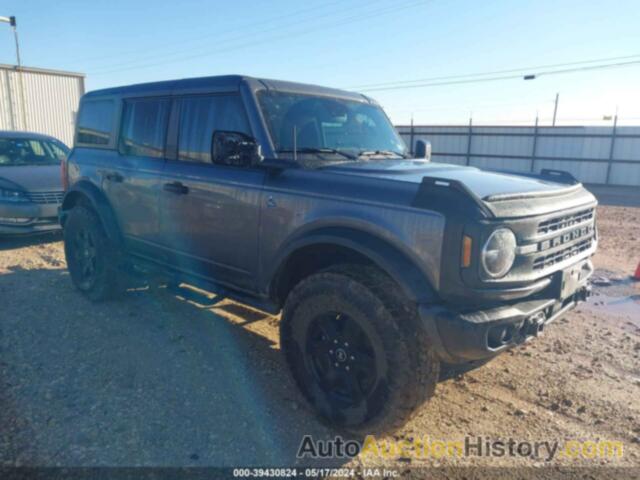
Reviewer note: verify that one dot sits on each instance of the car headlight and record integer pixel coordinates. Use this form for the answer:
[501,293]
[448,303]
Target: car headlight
[499,252]
[12,195]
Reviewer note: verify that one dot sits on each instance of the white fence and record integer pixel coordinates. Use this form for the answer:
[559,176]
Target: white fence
[601,155]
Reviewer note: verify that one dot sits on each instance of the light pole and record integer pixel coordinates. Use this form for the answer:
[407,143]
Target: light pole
[12,21]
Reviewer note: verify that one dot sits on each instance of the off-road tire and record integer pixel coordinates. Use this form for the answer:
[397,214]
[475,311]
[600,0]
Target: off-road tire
[409,368]
[105,282]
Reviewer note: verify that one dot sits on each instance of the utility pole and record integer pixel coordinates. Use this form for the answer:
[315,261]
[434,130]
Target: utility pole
[411,134]
[535,145]
[555,110]
[613,146]
[12,21]
[469,138]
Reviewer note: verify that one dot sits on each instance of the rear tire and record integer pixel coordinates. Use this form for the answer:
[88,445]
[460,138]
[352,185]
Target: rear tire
[356,349]
[92,259]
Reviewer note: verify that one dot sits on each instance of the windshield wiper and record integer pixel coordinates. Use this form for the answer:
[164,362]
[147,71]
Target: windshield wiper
[319,150]
[371,153]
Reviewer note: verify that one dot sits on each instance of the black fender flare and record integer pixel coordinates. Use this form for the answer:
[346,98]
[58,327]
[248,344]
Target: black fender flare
[389,258]
[86,191]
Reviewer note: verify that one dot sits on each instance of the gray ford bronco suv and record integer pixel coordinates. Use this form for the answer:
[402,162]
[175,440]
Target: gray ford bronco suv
[304,200]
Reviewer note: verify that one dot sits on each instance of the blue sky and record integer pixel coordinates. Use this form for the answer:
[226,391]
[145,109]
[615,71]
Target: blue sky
[351,43]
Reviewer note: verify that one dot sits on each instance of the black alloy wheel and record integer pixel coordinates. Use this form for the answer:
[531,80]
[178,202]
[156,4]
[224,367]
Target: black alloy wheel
[85,255]
[357,350]
[92,259]
[342,359]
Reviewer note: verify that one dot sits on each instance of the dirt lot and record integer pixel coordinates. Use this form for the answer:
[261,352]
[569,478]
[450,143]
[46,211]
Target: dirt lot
[159,379]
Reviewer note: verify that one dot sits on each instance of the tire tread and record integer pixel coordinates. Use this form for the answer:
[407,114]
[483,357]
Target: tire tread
[414,382]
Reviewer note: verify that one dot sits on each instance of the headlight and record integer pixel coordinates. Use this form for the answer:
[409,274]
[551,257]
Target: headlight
[499,252]
[12,195]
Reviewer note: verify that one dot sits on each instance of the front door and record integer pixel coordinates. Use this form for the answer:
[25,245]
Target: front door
[210,208]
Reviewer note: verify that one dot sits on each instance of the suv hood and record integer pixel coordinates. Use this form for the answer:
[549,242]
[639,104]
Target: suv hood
[495,190]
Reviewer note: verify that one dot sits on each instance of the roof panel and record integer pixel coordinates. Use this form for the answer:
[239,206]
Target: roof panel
[224,81]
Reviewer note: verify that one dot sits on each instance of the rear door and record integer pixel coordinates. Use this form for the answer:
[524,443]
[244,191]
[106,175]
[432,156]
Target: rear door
[210,208]
[133,179]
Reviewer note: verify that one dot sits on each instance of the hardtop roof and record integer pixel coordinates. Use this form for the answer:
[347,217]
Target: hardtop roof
[224,81]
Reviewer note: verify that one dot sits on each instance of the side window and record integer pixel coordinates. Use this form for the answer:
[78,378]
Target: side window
[95,122]
[59,152]
[36,148]
[144,127]
[200,117]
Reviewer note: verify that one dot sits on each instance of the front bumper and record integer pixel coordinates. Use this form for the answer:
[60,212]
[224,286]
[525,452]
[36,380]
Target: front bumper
[461,337]
[25,218]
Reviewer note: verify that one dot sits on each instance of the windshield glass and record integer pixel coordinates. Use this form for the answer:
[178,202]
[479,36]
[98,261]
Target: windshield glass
[28,151]
[330,127]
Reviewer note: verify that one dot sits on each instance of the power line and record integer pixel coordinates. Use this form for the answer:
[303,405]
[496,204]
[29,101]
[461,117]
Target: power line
[504,77]
[209,53]
[481,106]
[495,72]
[593,67]
[219,32]
[241,33]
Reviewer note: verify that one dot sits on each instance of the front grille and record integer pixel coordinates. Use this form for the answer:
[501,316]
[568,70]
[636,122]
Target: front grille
[546,261]
[564,236]
[45,221]
[45,197]
[564,221]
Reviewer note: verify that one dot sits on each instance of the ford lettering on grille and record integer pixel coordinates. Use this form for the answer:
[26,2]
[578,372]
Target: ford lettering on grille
[565,238]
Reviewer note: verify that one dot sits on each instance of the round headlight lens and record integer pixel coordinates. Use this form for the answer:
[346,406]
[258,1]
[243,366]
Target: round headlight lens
[499,253]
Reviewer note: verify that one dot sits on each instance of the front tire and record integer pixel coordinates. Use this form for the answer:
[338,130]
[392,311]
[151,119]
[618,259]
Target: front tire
[356,349]
[91,257]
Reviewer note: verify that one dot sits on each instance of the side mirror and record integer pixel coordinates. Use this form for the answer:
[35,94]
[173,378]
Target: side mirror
[235,148]
[423,150]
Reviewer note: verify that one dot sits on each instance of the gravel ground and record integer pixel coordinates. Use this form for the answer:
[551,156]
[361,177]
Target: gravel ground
[168,378]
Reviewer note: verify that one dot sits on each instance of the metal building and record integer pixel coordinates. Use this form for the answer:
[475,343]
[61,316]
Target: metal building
[39,100]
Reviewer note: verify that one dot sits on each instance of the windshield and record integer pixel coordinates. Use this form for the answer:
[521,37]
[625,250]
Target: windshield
[330,127]
[28,151]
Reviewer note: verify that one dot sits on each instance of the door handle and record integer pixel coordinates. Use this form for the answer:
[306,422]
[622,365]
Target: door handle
[176,187]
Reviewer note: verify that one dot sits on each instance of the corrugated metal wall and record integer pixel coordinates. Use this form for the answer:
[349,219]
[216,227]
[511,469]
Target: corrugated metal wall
[51,101]
[603,155]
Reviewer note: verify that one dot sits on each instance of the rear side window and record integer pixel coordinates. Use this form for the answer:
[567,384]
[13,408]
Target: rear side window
[144,127]
[95,122]
[201,116]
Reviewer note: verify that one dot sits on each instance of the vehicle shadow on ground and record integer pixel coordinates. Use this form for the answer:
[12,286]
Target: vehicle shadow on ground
[148,379]
[15,242]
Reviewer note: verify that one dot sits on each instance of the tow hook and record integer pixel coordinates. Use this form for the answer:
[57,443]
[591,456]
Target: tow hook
[584,293]
[537,324]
